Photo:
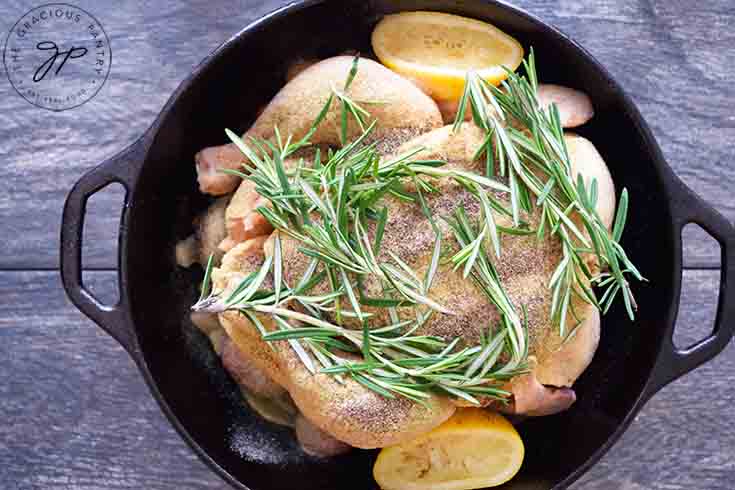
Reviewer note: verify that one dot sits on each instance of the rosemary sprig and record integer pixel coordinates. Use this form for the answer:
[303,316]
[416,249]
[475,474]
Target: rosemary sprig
[325,206]
[395,361]
[525,144]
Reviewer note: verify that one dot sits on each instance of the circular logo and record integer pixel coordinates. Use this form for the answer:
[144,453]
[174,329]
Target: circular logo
[57,56]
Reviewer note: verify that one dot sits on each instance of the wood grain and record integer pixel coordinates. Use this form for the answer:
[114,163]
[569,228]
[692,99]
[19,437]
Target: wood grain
[675,60]
[77,415]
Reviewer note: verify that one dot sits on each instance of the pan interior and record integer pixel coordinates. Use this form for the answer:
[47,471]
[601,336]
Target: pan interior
[227,92]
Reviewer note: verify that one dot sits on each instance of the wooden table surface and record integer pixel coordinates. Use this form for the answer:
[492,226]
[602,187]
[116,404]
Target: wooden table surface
[75,412]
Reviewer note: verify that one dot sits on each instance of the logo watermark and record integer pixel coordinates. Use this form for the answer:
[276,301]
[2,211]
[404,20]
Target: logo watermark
[57,56]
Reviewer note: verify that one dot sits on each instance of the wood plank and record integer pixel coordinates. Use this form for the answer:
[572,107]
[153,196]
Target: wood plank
[675,61]
[77,414]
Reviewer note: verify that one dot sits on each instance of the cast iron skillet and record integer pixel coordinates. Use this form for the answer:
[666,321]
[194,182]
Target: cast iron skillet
[634,359]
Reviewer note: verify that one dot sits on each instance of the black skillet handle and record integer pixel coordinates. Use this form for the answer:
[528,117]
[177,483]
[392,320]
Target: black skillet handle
[672,362]
[121,168]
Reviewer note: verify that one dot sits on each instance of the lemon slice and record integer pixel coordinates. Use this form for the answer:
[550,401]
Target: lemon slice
[475,448]
[436,50]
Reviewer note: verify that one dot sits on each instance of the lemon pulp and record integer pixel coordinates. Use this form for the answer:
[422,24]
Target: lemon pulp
[436,50]
[473,449]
